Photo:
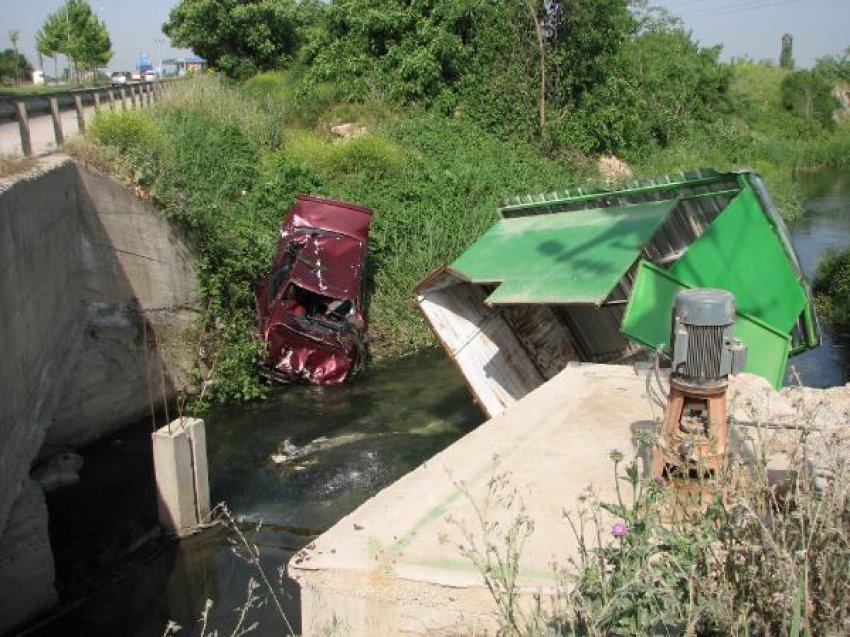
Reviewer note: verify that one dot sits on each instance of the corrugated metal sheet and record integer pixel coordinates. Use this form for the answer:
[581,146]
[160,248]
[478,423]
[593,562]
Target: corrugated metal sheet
[575,257]
[542,334]
[701,195]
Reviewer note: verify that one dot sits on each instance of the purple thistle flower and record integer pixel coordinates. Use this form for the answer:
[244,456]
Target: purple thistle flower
[620,529]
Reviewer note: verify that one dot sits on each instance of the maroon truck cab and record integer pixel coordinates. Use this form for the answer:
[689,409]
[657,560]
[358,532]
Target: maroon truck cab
[310,306]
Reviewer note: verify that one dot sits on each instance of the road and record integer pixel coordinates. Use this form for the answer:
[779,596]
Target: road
[41,131]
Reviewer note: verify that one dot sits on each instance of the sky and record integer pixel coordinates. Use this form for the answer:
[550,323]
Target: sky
[744,27]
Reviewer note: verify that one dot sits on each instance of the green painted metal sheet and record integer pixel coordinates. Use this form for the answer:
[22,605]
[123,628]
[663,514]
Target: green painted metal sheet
[569,257]
[741,252]
[648,319]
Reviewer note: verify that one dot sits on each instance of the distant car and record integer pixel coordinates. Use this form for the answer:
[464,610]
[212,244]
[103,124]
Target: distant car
[135,76]
[149,76]
[310,307]
[119,78]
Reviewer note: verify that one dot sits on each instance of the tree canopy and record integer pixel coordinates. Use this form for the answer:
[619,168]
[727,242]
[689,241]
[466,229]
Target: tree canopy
[809,95]
[76,32]
[607,75]
[240,37]
[14,66]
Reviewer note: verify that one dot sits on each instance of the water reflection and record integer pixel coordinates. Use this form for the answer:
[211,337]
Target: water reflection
[825,226]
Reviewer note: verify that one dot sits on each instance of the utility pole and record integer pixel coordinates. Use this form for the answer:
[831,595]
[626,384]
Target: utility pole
[14,36]
[159,43]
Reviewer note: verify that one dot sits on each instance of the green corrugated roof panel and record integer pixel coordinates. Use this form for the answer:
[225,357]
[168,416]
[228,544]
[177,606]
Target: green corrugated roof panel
[568,257]
[702,182]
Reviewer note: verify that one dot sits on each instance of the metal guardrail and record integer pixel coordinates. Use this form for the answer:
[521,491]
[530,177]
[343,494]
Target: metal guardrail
[21,108]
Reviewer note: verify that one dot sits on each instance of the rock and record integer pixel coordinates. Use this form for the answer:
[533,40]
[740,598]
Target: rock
[59,471]
[346,131]
[26,562]
[613,169]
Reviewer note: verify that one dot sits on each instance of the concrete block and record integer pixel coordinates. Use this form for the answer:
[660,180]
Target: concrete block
[26,562]
[394,566]
[180,465]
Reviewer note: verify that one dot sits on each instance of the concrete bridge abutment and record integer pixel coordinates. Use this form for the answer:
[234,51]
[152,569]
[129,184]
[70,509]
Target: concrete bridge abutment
[95,287]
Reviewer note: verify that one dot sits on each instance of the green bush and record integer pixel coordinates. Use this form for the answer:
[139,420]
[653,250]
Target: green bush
[136,136]
[832,288]
[127,131]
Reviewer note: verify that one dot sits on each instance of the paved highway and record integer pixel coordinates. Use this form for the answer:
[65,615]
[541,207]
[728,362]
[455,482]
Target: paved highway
[41,133]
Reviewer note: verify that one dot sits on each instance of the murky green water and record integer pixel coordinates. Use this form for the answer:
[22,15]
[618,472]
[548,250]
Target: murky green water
[299,461]
[825,226]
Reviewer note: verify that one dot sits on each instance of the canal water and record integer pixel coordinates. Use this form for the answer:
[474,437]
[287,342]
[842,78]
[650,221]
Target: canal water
[825,226]
[298,461]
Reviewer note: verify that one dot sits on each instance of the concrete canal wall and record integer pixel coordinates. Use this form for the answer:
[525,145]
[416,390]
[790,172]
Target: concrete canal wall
[88,273]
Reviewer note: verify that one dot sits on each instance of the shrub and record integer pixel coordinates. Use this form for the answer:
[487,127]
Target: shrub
[136,136]
[832,287]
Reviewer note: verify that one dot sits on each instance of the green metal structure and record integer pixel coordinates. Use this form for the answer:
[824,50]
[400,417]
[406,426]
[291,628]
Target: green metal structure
[617,258]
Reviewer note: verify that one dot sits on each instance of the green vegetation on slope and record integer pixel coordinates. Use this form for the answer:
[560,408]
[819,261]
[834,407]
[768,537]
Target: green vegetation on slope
[464,105]
[225,166]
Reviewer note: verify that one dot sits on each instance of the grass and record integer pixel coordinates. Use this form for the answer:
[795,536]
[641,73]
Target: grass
[742,555]
[25,90]
[12,167]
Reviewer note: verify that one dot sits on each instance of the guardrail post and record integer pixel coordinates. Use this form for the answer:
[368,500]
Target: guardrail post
[24,127]
[110,92]
[124,98]
[81,116]
[57,120]
[96,95]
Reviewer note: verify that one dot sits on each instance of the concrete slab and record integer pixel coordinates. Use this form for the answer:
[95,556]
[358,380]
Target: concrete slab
[396,564]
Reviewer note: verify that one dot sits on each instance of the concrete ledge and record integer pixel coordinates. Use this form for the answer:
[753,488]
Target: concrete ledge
[394,566]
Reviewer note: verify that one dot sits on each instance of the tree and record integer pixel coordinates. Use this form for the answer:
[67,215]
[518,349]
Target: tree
[240,36]
[50,38]
[661,85]
[498,61]
[76,32]
[786,57]
[834,67]
[14,66]
[88,42]
[808,94]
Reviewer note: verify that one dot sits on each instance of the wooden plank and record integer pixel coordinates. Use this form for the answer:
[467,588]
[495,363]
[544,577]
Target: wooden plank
[494,363]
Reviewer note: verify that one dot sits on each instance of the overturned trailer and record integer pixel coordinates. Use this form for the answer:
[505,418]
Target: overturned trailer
[592,276]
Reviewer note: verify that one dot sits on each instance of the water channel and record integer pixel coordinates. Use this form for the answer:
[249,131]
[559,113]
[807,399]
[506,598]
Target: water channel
[298,461]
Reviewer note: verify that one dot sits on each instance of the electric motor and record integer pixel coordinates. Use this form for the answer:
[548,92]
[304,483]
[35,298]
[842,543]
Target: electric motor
[705,351]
